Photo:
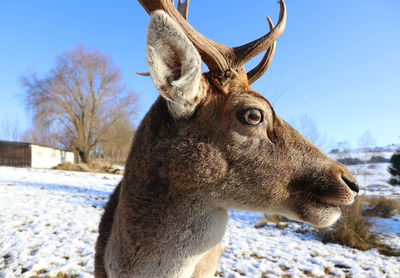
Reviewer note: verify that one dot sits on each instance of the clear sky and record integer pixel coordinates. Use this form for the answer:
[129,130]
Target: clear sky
[337,61]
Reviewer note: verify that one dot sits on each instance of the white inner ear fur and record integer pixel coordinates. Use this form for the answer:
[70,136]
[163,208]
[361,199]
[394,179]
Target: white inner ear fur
[174,64]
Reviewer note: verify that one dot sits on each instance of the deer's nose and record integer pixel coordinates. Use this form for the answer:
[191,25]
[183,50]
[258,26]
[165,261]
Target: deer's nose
[351,183]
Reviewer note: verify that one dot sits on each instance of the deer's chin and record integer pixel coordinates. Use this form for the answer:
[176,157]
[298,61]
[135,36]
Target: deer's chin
[314,212]
[320,214]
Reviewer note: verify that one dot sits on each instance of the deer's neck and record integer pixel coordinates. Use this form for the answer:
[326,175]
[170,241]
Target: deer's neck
[159,231]
[166,239]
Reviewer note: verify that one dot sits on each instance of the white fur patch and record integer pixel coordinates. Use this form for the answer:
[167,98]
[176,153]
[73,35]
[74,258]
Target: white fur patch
[174,64]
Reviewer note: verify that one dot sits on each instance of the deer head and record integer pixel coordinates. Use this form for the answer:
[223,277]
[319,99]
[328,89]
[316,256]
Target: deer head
[209,143]
[229,143]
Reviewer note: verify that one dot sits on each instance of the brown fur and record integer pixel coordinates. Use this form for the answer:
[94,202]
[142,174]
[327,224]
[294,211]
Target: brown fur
[212,161]
[194,156]
[104,232]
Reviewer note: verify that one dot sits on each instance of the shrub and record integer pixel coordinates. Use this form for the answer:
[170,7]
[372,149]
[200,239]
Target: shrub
[353,230]
[350,161]
[394,168]
[378,159]
[381,207]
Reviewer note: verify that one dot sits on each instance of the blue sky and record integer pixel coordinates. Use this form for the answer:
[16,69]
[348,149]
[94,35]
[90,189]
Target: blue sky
[338,61]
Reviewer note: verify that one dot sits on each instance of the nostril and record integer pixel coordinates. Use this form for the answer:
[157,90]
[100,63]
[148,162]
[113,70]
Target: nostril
[351,184]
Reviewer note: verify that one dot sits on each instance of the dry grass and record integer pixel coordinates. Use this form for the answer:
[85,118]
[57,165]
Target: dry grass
[41,273]
[353,230]
[280,221]
[68,166]
[97,166]
[101,166]
[64,275]
[380,207]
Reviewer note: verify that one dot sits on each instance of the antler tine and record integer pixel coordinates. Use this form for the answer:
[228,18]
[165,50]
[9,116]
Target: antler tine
[183,8]
[262,67]
[212,53]
[218,57]
[245,52]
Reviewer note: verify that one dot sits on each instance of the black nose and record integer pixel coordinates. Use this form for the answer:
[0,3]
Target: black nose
[352,184]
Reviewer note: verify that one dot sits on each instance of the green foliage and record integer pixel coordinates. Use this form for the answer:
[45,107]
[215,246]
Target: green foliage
[394,168]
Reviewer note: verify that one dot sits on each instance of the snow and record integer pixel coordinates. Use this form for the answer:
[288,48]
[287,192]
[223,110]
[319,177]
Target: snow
[388,230]
[294,251]
[361,155]
[373,178]
[49,219]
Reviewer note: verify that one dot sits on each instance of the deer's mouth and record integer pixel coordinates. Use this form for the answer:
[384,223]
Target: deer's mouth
[327,205]
[315,210]
[319,213]
[336,200]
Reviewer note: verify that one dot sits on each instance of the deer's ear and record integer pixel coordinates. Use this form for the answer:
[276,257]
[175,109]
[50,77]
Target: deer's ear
[174,64]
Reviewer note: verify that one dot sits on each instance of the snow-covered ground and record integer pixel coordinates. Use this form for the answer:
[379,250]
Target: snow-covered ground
[297,252]
[49,218]
[373,178]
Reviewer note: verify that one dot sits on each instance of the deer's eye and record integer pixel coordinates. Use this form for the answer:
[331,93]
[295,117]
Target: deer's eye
[251,116]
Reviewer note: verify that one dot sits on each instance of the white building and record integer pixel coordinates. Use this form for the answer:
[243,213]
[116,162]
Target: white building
[23,154]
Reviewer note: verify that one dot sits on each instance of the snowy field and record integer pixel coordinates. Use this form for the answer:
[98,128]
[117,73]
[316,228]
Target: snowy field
[372,177]
[49,218]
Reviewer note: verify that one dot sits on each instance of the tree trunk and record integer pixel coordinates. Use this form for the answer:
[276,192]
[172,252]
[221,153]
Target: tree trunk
[84,155]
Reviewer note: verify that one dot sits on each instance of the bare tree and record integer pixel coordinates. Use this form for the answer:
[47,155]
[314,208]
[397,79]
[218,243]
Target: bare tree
[116,143]
[10,129]
[80,99]
[39,134]
[366,141]
[308,127]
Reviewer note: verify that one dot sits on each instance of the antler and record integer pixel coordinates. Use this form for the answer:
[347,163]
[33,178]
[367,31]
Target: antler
[183,8]
[262,67]
[218,57]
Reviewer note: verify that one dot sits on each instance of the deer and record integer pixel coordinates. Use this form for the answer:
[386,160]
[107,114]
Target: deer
[208,144]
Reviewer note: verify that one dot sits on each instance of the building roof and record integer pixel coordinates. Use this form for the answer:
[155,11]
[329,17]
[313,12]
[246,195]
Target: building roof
[28,144]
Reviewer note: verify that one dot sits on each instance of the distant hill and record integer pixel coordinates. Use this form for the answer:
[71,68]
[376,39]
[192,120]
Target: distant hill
[361,156]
